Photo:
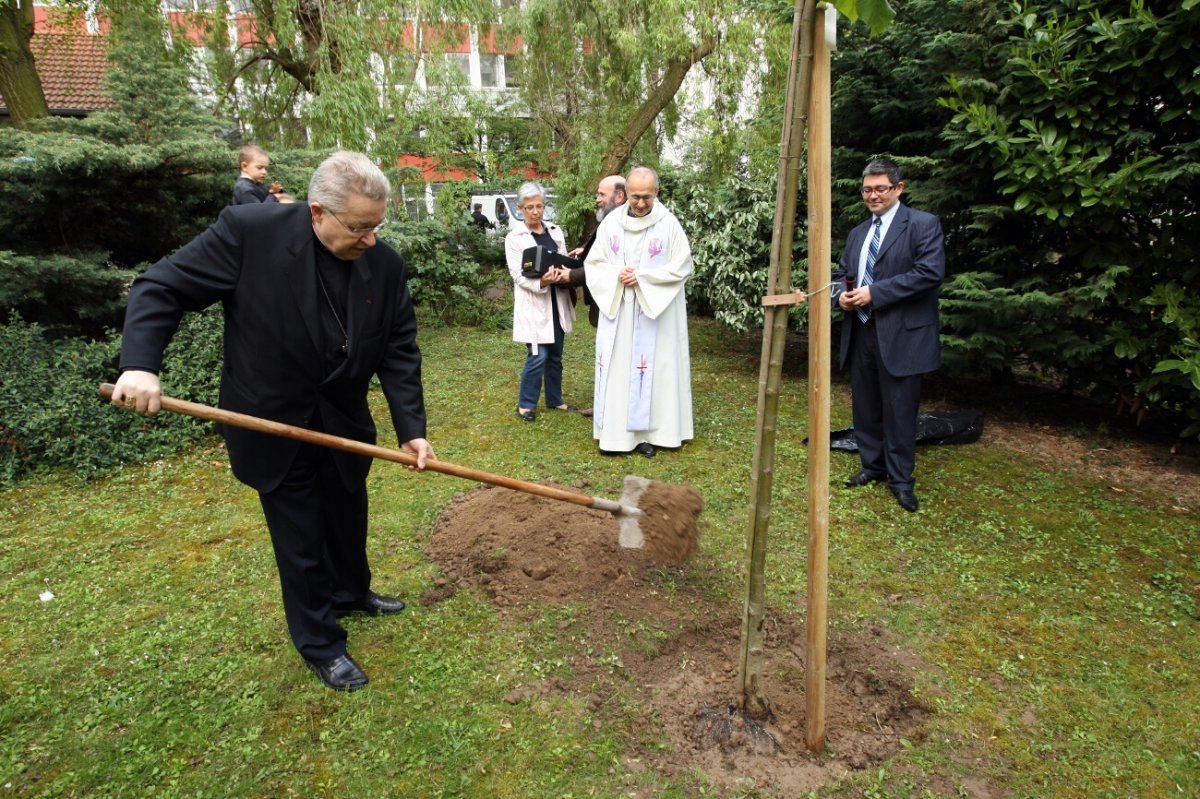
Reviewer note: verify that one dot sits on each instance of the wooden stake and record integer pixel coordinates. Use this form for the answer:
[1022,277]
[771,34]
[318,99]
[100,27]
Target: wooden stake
[820,207]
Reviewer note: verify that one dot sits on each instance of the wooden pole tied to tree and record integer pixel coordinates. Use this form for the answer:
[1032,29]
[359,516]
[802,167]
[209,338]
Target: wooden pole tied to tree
[820,313]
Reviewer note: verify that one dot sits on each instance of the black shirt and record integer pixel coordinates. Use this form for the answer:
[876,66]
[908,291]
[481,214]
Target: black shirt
[333,289]
[544,239]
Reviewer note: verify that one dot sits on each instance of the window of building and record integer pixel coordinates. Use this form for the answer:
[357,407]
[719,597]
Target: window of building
[400,69]
[462,61]
[415,202]
[489,70]
[446,70]
[512,71]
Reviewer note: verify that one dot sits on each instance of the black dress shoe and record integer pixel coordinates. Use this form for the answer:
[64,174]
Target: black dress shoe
[341,673]
[528,416]
[645,448]
[371,605]
[862,478]
[906,498]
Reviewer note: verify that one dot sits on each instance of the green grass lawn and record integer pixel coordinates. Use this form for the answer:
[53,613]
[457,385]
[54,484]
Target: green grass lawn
[1058,617]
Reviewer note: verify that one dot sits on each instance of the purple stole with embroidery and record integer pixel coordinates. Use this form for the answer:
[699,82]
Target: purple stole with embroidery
[645,337]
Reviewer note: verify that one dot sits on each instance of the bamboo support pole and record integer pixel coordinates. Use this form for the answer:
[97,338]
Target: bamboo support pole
[750,661]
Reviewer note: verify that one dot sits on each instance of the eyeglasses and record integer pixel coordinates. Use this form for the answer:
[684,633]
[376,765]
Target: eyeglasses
[867,191]
[357,231]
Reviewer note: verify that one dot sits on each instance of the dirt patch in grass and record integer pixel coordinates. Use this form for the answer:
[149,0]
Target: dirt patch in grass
[1065,432]
[1126,465]
[641,630]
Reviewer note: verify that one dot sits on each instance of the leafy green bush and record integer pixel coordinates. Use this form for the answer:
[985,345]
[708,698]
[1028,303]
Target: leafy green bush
[729,226]
[53,416]
[1179,312]
[1085,134]
[452,266]
[64,293]
[1054,141]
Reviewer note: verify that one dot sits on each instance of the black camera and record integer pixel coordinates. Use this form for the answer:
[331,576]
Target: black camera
[537,261]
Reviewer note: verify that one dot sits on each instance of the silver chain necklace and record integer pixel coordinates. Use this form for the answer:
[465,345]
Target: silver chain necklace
[336,318]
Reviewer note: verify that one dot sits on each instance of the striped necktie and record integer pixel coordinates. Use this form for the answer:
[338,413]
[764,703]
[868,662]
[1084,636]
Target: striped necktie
[869,273]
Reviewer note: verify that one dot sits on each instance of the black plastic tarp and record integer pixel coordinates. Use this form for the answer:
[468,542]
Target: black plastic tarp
[942,427]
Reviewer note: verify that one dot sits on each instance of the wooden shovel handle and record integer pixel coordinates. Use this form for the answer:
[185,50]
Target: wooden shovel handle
[370,450]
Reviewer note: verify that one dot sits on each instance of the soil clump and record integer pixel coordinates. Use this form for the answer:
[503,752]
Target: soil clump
[669,514]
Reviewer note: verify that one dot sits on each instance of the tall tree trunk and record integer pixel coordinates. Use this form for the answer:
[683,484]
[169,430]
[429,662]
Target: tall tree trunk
[20,85]
[618,153]
[303,62]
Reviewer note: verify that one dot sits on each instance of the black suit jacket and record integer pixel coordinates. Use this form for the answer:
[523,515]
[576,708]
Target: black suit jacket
[259,262]
[579,278]
[904,297]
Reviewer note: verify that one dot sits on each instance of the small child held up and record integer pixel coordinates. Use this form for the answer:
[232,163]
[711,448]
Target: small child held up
[249,187]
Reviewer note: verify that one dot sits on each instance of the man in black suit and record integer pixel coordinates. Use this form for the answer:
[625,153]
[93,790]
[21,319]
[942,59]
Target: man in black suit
[479,219]
[891,269]
[610,193]
[315,306]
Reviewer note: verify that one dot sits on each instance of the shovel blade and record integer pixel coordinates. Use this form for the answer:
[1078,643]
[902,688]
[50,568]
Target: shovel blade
[631,536]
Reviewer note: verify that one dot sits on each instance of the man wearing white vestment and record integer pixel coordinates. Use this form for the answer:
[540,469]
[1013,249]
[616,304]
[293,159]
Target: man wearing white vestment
[636,272]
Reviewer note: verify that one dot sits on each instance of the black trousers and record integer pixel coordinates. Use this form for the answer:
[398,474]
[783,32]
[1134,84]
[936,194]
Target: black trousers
[884,409]
[319,532]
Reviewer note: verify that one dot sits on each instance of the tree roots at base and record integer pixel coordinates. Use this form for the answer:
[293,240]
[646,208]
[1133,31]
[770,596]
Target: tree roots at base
[733,728]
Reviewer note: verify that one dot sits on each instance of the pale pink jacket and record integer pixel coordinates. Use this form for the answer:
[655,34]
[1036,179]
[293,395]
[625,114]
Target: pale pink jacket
[531,300]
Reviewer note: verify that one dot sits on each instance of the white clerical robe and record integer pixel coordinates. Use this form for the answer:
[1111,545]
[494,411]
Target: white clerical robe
[643,379]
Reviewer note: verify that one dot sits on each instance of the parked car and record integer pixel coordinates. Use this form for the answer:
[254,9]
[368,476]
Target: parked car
[500,208]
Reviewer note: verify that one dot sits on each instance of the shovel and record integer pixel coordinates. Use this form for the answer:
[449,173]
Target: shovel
[626,511]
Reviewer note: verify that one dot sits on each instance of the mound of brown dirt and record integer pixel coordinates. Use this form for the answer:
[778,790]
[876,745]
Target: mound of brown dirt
[641,630]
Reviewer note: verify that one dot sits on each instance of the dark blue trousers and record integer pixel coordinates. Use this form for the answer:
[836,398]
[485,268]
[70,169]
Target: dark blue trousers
[546,365]
[884,408]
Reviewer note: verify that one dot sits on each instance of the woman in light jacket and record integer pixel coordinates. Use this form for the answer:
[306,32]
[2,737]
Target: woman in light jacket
[543,310]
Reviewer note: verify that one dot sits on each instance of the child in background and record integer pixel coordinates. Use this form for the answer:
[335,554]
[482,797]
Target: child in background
[249,187]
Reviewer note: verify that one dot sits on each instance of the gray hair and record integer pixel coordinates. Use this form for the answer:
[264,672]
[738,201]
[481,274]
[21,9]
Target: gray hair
[344,174]
[884,166]
[528,191]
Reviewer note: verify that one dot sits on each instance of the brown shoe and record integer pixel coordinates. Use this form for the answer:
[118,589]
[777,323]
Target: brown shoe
[587,412]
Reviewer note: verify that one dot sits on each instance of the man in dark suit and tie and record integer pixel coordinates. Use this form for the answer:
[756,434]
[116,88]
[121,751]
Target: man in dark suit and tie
[315,306]
[891,269]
